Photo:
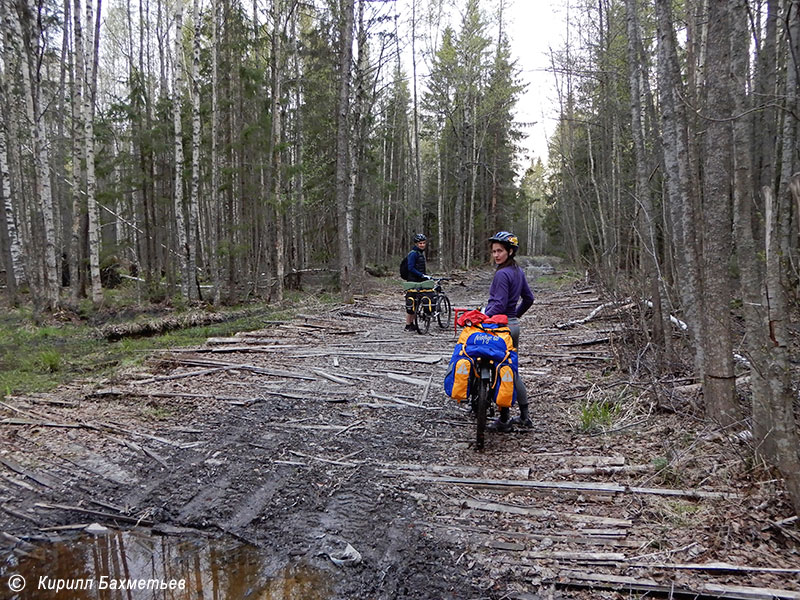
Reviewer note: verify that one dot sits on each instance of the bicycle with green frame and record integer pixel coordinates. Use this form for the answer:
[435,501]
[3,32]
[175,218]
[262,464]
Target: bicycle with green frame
[434,305]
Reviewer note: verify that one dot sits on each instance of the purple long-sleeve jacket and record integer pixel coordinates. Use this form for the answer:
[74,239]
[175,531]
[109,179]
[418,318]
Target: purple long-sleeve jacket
[509,293]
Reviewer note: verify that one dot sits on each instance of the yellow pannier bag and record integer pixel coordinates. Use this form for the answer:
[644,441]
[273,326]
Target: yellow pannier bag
[504,385]
[456,381]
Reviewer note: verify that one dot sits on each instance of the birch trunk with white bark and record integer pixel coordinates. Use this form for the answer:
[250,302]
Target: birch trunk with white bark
[177,84]
[15,273]
[78,130]
[194,194]
[48,296]
[90,72]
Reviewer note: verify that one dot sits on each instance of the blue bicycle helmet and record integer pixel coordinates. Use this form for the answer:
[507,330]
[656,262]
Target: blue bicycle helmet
[508,239]
[420,237]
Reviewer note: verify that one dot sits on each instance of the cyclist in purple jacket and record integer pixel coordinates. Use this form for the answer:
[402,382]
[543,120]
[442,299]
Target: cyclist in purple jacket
[509,295]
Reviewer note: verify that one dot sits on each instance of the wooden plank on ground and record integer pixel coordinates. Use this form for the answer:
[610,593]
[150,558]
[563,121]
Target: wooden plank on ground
[427,359]
[520,472]
[712,566]
[588,487]
[37,477]
[539,512]
[570,578]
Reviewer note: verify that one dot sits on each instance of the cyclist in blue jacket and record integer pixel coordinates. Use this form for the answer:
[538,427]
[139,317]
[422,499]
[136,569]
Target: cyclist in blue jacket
[509,295]
[416,263]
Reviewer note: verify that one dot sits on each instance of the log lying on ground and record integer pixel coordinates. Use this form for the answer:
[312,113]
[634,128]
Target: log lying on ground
[116,331]
[616,308]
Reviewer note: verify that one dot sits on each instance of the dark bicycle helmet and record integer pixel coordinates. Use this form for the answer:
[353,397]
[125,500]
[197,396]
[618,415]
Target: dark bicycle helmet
[420,237]
[508,239]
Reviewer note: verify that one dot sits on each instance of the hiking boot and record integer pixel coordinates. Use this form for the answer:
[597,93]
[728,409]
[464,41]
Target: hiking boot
[524,419]
[500,426]
[411,327]
[525,423]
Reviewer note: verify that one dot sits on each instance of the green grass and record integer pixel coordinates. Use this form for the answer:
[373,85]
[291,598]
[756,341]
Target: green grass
[560,279]
[596,415]
[38,359]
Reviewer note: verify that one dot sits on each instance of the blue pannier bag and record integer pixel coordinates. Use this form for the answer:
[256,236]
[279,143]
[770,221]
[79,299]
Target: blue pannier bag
[486,344]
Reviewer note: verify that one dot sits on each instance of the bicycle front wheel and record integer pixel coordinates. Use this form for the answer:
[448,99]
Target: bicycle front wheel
[444,312]
[483,405]
[422,319]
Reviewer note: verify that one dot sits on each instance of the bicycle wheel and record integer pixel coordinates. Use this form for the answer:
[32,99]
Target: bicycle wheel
[483,404]
[443,311]
[422,319]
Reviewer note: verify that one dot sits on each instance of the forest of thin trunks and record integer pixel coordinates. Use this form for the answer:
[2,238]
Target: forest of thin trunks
[209,150]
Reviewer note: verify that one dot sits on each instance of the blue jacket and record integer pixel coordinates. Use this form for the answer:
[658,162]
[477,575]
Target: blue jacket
[416,265]
[509,293]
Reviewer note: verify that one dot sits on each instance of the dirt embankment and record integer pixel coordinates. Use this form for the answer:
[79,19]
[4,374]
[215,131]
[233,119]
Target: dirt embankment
[327,442]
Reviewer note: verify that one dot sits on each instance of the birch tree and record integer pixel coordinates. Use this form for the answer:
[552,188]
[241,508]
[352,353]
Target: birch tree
[13,256]
[90,88]
[177,94]
[191,245]
[26,37]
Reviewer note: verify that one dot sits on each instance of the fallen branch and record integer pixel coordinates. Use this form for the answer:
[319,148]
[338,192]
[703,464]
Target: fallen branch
[330,377]
[378,396]
[95,513]
[199,362]
[349,427]
[406,379]
[618,305]
[181,375]
[327,460]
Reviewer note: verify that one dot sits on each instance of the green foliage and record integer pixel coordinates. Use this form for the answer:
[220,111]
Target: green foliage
[560,279]
[48,361]
[34,359]
[596,415]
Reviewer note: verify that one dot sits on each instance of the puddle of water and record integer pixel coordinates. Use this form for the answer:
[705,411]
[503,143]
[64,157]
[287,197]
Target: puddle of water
[132,566]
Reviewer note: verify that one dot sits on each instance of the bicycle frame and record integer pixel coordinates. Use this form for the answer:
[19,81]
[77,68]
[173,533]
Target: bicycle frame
[424,315]
[482,383]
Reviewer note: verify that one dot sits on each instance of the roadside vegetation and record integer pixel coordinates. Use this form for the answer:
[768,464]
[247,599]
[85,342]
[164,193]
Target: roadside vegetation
[69,347]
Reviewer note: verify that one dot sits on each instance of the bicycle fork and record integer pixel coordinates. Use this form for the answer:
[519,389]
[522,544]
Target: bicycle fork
[484,371]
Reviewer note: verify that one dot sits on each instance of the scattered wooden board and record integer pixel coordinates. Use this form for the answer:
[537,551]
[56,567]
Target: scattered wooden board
[571,578]
[580,486]
[548,514]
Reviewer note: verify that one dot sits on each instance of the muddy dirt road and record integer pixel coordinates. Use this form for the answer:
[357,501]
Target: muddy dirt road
[319,458]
